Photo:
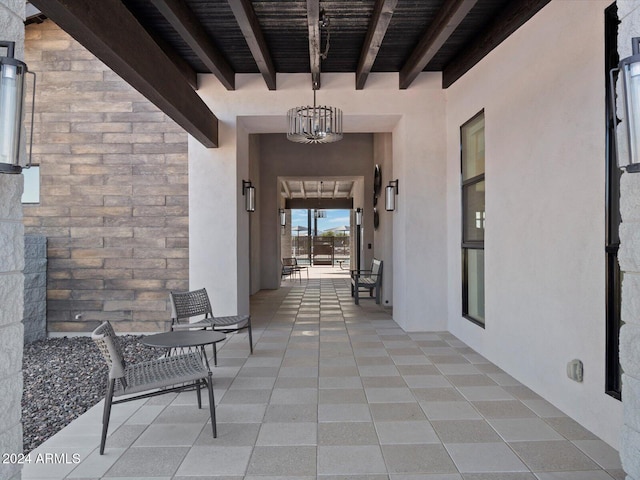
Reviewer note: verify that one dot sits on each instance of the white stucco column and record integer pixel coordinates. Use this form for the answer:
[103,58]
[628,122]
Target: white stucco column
[11,277]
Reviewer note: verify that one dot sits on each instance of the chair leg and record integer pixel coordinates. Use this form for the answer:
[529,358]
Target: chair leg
[215,355]
[212,406]
[106,414]
[357,295]
[378,295]
[250,336]
[198,384]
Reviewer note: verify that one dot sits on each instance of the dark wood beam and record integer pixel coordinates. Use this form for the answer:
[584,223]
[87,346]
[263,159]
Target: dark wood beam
[183,67]
[325,203]
[515,14]
[109,31]
[184,21]
[382,13]
[248,23]
[444,24]
[313,21]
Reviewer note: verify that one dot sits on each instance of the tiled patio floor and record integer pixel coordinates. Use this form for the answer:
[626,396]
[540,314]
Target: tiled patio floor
[335,391]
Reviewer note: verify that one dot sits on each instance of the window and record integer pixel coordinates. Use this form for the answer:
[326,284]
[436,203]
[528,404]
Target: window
[613,377]
[473,218]
[31,193]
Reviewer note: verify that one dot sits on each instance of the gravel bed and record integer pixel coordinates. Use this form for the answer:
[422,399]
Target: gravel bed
[63,378]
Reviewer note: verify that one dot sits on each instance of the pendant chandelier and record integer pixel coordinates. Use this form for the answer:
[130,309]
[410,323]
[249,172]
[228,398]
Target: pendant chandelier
[320,123]
[317,124]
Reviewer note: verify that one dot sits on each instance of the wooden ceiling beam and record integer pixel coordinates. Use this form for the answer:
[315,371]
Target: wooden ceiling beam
[304,193]
[336,189]
[313,21]
[248,23]
[444,24]
[185,22]
[108,30]
[382,13]
[515,14]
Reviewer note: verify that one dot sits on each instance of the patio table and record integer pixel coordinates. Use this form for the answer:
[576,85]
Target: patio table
[188,340]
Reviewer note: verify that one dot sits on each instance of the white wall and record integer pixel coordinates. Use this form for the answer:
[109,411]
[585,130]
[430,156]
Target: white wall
[219,229]
[543,94]
[383,236]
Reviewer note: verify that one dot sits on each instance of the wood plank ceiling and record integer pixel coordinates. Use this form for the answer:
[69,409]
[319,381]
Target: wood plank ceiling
[225,37]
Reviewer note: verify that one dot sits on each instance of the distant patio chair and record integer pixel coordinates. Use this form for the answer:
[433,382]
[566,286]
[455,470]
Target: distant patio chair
[290,267]
[156,377]
[187,305]
[368,280]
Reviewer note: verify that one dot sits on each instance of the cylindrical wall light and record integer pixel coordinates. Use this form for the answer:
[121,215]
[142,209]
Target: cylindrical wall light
[358,217]
[12,86]
[249,192]
[283,217]
[390,196]
[629,69]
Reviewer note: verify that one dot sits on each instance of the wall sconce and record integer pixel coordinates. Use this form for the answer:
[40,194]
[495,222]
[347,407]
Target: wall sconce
[358,217]
[390,195]
[12,87]
[283,217]
[629,69]
[249,192]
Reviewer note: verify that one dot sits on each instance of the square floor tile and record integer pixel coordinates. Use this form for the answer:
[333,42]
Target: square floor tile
[389,395]
[350,460]
[346,395]
[215,460]
[523,429]
[344,412]
[503,409]
[431,458]
[347,433]
[170,435]
[399,433]
[586,475]
[570,429]
[484,457]
[601,453]
[288,434]
[553,456]
[450,411]
[283,461]
[148,462]
[465,431]
[291,413]
[230,434]
[400,412]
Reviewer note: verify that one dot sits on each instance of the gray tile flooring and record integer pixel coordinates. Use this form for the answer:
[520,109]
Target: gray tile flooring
[337,391]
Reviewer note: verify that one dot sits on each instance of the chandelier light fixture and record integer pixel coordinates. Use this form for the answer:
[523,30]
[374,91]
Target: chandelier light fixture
[320,123]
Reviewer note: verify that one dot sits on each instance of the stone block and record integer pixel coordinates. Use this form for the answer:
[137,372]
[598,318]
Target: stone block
[11,394]
[11,246]
[630,300]
[11,187]
[11,302]
[629,254]
[11,352]
[631,401]
[630,452]
[630,349]
[10,442]
[35,281]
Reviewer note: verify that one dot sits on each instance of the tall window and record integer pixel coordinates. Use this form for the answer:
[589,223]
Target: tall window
[613,377]
[473,216]
[31,193]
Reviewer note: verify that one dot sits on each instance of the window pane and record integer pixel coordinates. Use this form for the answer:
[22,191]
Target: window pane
[473,212]
[472,138]
[474,276]
[31,193]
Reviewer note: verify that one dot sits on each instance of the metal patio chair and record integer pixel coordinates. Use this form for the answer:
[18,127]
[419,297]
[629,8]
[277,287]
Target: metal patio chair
[148,379]
[187,305]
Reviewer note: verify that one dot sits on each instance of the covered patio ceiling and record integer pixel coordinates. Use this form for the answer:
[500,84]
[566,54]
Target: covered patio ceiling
[159,46]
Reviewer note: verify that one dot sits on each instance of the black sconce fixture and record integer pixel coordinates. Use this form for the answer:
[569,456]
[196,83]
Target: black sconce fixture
[358,237]
[12,87]
[249,192]
[629,69]
[390,196]
[283,217]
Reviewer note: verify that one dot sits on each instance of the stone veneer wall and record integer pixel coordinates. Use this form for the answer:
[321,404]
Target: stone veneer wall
[11,277]
[114,194]
[629,14]
[35,288]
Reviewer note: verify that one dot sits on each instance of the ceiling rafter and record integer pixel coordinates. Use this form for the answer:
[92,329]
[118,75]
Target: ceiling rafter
[287,192]
[313,22]
[185,22]
[108,30]
[515,14]
[248,23]
[336,189]
[382,13]
[444,24]
[304,193]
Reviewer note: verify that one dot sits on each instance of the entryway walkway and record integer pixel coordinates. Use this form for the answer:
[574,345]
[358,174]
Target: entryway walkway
[338,391]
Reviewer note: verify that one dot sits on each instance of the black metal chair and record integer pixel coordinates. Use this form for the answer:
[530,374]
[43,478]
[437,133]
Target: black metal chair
[187,305]
[148,379]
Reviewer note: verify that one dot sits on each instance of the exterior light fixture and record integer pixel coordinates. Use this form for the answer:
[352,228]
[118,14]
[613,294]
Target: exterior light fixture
[249,192]
[390,196]
[629,69]
[283,217]
[358,217]
[317,124]
[12,87]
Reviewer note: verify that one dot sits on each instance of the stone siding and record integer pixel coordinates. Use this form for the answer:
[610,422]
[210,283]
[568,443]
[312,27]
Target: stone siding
[35,288]
[11,278]
[113,192]
[629,14]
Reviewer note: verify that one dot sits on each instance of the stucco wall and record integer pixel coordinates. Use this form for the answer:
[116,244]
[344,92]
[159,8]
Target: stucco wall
[543,95]
[629,14]
[11,277]
[415,119]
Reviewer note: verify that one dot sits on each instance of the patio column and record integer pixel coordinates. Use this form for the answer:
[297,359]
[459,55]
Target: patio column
[11,277]
[629,14]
